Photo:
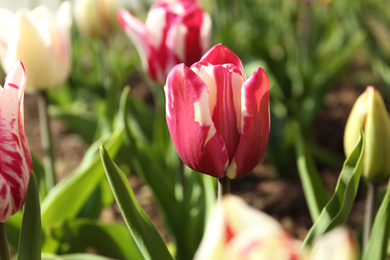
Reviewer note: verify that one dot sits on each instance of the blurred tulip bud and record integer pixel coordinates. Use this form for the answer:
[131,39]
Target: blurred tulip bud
[96,18]
[15,158]
[239,232]
[175,32]
[334,245]
[218,120]
[41,40]
[369,113]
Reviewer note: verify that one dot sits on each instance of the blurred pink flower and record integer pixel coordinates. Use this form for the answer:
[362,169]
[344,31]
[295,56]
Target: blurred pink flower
[15,158]
[174,32]
[239,232]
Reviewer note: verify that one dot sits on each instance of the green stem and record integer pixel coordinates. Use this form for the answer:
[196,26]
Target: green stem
[4,250]
[371,208]
[223,187]
[47,143]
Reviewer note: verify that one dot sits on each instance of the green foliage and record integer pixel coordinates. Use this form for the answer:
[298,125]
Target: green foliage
[30,234]
[111,239]
[146,236]
[315,192]
[339,206]
[378,244]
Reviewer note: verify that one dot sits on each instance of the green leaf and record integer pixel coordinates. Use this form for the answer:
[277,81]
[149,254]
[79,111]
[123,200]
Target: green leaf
[12,227]
[39,175]
[47,256]
[339,206]
[31,232]
[145,234]
[66,199]
[109,239]
[377,246]
[315,192]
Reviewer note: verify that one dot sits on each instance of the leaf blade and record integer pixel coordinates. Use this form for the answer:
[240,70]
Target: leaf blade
[337,209]
[146,236]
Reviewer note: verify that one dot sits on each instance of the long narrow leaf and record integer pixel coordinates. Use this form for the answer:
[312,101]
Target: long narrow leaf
[110,239]
[378,243]
[31,232]
[315,193]
[145,234]
[65,200]
[339,206]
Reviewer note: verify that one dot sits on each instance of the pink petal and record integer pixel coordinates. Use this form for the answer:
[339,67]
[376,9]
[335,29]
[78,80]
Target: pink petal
[255,125]
[189,121]
[189,36]
[223,97]
[220,54]
[137,32]
[15,158]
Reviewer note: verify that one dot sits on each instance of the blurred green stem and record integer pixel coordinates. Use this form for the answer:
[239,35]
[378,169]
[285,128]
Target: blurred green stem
[182,176]
[111,93]
[4,250]
[371,208]
[47,141]
[223,187]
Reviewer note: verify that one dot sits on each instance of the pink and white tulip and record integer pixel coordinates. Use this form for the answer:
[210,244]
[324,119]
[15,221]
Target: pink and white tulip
[174,32]
[218,120]
[15,158]
[41,40]
[238,232]
[336,244]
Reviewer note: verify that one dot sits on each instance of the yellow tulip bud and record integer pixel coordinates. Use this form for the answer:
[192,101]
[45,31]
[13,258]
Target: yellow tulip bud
[96,18]
[369,113]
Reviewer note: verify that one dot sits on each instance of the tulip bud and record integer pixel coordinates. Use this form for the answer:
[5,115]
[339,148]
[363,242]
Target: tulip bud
[369,113]
[174,32]
[218,120]
[238,232]
[41,40]
[96,18]
[334,245]
[15,158]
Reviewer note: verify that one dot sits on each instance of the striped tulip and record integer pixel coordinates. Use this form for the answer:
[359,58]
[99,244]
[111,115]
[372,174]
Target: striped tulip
[15,158]
[175,32]
[41,40]
[237,231]
[218,120]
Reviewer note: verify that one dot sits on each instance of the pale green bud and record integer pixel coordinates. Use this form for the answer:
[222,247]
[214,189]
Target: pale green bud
[369,113]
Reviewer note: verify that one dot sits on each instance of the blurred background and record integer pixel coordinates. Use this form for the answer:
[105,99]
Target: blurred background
[320,55]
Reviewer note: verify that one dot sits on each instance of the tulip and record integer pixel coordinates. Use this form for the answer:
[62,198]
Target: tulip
[238,232]
[218,120]
[175,32]
[96,18]
[336,244]
[41,40]
[369,113]
[15,158]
